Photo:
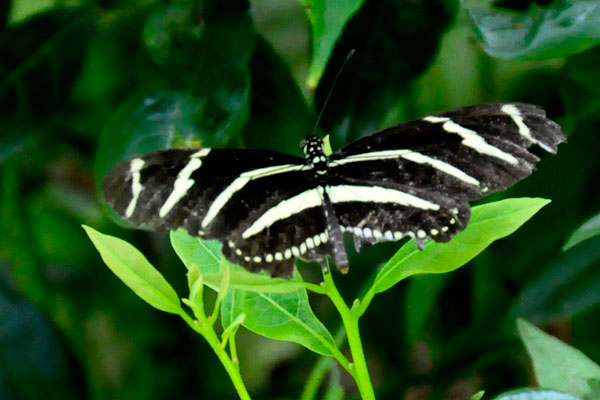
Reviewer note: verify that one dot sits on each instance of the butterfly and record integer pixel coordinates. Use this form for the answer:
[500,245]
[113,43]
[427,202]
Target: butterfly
[267,208]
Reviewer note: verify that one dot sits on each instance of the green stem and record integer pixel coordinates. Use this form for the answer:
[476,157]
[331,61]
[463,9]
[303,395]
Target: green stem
[350,320]
[204,328]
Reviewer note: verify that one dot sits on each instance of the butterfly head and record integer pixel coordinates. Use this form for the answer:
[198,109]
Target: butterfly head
[313,151]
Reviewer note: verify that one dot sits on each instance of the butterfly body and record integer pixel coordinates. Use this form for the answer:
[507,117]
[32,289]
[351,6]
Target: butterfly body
[269,208]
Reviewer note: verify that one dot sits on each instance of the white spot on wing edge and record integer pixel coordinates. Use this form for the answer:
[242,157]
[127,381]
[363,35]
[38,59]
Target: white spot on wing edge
[136,187]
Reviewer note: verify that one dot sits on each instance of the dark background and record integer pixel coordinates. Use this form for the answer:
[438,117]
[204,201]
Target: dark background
[86,83]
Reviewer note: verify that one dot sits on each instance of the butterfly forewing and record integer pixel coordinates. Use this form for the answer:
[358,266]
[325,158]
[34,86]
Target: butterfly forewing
[470,152]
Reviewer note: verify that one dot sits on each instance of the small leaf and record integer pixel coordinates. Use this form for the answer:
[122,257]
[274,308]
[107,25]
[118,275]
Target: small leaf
[489,222]
[232,327]
[534,394]
[135,271]
[327,18]
[586,231]
[557,30]
[286,316]
[197,254]
[557,365]
[206,256]
[478,395]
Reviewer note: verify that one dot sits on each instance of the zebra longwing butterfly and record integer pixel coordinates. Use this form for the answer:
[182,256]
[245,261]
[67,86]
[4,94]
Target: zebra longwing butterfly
[267,208]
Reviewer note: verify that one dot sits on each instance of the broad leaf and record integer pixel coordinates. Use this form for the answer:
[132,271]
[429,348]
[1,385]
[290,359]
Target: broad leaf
[281,316]
[567,287]
[206,256]
[557,365]
[135,271]
[535,394]
[586,231]
[489,222]
[562,28]
[327,18]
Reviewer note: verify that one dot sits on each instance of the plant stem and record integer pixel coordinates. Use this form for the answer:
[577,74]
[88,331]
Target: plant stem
[350,320]
[204,328]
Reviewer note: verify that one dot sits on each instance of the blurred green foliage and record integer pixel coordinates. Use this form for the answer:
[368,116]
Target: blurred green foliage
[86,83]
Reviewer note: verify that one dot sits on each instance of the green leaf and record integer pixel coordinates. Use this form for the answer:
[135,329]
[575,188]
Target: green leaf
[567,287]
[557,365]
[327,18]
[41,59]
[135,271]
[393,44]
[534,394]
[280,118]
[203,255]
[273,307]
[489,222]
[586,231]
[562,28]
[281,316]
[478,395]
[206,256]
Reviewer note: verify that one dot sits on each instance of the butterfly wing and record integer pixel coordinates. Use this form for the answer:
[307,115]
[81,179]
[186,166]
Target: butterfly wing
[444,159]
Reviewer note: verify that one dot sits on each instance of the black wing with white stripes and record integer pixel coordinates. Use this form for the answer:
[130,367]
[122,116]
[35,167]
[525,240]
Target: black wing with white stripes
[267,208]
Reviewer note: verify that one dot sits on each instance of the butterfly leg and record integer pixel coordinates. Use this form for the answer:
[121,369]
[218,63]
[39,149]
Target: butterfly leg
[336,238]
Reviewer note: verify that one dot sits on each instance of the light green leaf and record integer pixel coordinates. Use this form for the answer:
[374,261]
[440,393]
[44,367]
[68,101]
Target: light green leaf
[534,394]
[478,395]
[557,365]
[284,316]
[206,256]
[130,265]
[586,231]
[328,18]
[273,307]
[489,222]
[562,28]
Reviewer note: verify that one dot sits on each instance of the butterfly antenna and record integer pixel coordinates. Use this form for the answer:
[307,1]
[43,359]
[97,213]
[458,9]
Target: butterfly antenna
[348,57]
